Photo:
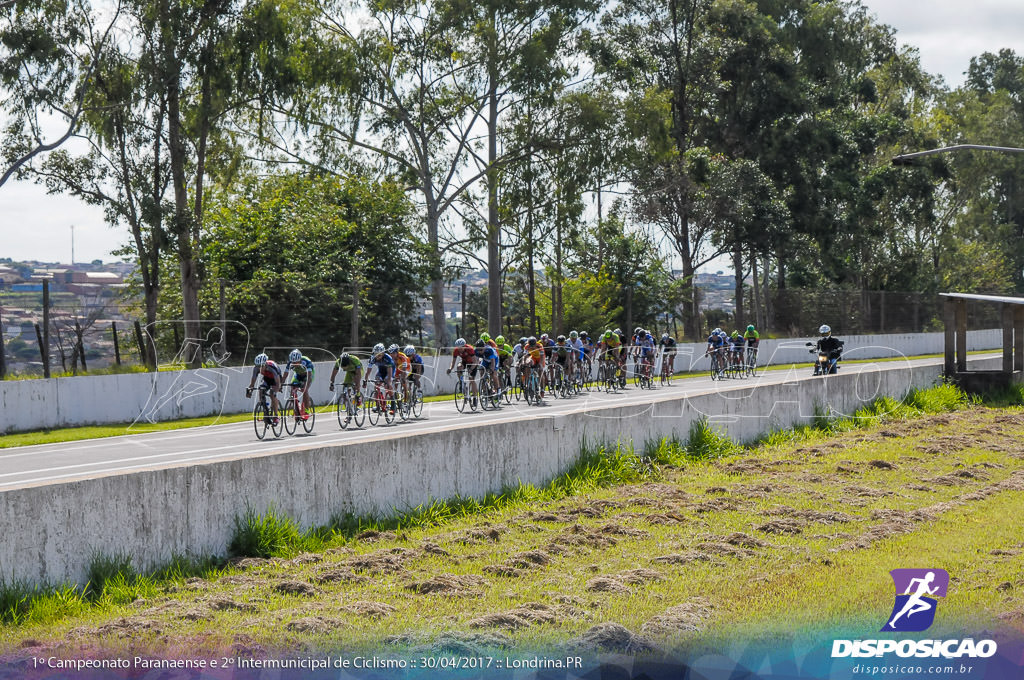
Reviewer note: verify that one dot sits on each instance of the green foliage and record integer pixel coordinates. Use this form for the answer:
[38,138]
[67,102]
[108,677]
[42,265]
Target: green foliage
[295,247]
[705,443]
[270,535]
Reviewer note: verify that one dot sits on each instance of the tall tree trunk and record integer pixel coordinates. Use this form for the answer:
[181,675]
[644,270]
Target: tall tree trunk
[493,226]
[183,227]
[737,263]
[437,278]
[758,305]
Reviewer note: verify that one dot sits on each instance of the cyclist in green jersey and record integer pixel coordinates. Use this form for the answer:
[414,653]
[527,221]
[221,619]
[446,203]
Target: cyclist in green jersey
[353,371]
[301,368]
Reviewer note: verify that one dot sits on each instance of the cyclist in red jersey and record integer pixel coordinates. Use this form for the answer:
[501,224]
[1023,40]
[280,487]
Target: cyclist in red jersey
[467,353]
[271,373]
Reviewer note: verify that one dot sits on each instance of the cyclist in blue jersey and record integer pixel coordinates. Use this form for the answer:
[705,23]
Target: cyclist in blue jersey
[385,370]
[301,369]
[647,349]
[487,355]
[417,365]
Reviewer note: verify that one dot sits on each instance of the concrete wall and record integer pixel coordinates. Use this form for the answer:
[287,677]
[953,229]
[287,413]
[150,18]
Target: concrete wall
[48,533]
[169,395]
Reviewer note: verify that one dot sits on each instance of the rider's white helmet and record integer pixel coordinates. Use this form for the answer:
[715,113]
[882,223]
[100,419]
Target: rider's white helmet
[378,348]
[825,329]
[261,359]
[409,350]
[461,342]
[294,355]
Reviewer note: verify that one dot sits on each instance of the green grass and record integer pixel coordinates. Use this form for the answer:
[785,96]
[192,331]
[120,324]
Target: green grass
[70,434]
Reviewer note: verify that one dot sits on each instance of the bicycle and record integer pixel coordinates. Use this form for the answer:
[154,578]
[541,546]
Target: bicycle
[295,413]
[717,365]
[666,378]
[751,361]
[462,397]
[532,389]
[264,415]
[377,405]
[350,407]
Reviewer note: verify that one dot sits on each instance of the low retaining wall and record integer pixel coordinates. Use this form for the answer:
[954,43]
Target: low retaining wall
[171,395]
[49,533]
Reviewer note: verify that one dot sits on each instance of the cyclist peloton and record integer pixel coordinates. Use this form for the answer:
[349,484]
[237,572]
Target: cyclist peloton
[385,371]
[272,382]
[467,356]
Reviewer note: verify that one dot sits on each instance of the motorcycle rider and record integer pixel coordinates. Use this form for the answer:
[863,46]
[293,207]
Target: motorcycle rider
[830,346]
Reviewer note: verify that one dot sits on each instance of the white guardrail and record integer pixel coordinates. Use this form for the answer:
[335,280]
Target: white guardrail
[169,395]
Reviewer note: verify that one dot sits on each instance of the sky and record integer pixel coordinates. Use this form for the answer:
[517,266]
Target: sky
[35,226]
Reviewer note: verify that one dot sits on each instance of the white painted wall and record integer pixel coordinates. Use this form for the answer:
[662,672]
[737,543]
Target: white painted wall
[48,533]
[170,395]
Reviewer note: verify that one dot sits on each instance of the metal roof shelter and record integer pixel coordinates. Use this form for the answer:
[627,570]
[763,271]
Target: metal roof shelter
[955,318]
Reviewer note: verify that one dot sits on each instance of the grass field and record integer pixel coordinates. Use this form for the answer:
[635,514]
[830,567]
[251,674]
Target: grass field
[687,547]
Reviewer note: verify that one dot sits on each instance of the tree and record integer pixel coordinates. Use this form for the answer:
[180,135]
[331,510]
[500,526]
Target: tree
[293,247]
[48,54]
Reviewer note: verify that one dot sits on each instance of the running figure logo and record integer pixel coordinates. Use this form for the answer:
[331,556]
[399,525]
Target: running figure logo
[916,590]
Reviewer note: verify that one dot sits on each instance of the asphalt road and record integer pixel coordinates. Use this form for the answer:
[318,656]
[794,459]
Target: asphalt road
[59,463]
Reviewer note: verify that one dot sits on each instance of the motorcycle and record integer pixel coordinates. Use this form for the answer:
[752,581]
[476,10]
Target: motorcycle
[827,363]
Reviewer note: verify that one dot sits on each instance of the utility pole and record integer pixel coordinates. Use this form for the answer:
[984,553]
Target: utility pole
[72,244]
[46,328]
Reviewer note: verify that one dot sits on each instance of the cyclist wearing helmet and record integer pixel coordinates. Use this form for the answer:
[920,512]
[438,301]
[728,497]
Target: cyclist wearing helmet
[403,368]
[417,365]
[465,353]
[667,345]
[488,358]
[301,369]
[561,353]
[588,345]
[736,343]
[533,360]
[646,350]
[751,336]
[385,370]
[353,368]
[271,372]
[504,357]
[716,343]
[576,356]
[608,348]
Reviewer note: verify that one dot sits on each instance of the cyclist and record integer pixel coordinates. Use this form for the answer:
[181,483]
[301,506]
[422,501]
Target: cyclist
[533,360]
[608,348]
[518,354]
[353,368]
[272,382]
[385,370]
[668,353]
[646,352]
[302,370]
[417,365]
[716,344]
[562,352]
[753,338]
[504,359]
[576,356]
[736,348]
[487,355]
[403,369]
[467,356]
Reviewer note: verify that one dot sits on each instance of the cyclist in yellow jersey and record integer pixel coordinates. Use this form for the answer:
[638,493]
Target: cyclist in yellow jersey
[533,360]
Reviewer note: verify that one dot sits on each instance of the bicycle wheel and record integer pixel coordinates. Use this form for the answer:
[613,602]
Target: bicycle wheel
[752,361]
[460,395]
[357,401]
[277,419]
[389,406]
[372,408]
[310,420]
[486,388]
[343,408]
[259,419]
[417,402]
[535,389]
[291,415]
